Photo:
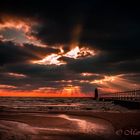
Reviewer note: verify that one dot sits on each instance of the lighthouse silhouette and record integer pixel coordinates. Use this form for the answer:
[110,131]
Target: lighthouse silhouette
[96,94]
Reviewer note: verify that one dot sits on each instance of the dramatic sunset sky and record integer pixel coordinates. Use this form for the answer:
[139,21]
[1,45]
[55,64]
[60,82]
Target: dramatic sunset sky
[68,47]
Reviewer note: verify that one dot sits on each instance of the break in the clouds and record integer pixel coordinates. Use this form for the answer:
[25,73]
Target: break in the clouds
[68,48]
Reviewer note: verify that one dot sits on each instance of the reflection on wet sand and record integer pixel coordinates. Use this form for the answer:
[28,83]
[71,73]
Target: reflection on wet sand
[93,126]
[78,129]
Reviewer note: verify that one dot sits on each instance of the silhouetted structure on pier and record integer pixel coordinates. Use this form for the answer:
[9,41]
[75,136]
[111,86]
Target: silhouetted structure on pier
[96,94]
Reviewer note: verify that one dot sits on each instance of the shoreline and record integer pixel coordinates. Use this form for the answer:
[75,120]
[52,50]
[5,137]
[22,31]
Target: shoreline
[60,124]
[115,117]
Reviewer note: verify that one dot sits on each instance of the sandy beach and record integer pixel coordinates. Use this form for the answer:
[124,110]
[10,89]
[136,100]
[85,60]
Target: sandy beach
[68,125]
[66,119]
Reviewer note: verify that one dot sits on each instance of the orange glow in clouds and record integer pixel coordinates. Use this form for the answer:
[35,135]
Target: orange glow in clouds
[68,91]
[74,53]
[23,27]
[19,24]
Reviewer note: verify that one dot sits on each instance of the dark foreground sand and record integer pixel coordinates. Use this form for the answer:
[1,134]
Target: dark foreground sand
[69,125]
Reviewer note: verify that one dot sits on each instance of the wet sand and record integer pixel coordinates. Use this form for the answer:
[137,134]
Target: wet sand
[65,125]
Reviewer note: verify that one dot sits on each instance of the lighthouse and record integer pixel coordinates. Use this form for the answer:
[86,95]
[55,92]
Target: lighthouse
[96,94]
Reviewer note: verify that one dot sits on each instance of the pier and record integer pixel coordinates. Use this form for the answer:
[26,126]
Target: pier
[129,99]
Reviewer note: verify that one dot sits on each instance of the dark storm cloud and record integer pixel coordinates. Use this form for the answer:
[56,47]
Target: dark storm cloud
[39,71]
[11,53]
[37,76]
[57,18]
[14,53]
[105,64]
[28,83]
[47,72]
[105,24]
[40,50]
[112,28]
